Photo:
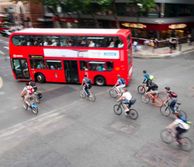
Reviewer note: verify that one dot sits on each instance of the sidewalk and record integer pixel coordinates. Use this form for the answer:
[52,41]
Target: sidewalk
[149,52]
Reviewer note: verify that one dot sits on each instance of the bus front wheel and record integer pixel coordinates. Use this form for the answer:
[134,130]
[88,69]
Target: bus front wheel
[40,78]
[100,80]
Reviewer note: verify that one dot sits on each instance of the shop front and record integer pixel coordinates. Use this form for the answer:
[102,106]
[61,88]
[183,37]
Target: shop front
[159,31]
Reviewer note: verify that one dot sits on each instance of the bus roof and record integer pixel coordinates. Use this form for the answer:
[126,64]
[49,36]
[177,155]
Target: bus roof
[76,31]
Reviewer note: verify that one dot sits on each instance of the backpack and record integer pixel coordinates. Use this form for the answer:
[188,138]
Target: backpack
[122,81]
[173,94]
[151,77]
[89,84]
[30,90]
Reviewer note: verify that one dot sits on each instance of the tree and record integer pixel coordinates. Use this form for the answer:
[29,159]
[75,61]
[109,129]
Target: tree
[145,6]
[92,7]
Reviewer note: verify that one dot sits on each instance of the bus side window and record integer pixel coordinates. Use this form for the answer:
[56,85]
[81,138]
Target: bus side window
[37,63]
[53,64]
[92,66]
[83,65]
[109,66]
[100,67]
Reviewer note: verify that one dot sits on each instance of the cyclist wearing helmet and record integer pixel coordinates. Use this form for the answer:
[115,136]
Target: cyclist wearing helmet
[172,98]
[33,84]
[146,78]
[181,125]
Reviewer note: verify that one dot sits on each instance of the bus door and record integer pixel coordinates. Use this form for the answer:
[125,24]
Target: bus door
[71,71]
[20,68]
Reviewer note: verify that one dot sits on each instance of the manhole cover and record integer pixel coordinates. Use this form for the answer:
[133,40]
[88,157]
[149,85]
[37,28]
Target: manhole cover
[123,127]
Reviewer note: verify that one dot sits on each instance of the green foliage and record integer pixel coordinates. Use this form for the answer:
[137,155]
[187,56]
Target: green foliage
[146,4]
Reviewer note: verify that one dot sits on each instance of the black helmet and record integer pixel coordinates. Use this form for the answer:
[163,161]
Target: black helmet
[32,83]
[144,71]
[167,88]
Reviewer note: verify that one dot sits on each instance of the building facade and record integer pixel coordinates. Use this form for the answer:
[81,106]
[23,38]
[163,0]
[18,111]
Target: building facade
[169,18]
[23,13]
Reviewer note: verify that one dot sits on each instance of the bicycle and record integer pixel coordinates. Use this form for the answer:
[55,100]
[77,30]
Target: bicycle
[132,113]
[166,110]
[141,89]
[168,137]
[154,97]
[33,106]
[92,96]
[113,92]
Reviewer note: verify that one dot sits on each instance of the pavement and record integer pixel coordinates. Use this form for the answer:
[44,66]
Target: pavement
[150,52]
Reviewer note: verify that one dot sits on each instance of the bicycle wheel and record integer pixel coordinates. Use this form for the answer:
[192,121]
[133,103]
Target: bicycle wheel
[25,106]
[92,97]
[164,110]
[187,144]
[82,94]
[117,109]
[166,136]
[141,89]
[145,98]
[133,114]
[113,93]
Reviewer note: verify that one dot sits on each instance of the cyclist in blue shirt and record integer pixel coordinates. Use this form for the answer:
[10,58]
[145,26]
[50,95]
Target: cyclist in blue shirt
[120,84]
[147,78]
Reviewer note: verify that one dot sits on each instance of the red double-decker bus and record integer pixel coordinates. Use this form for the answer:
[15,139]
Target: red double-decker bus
[65,55]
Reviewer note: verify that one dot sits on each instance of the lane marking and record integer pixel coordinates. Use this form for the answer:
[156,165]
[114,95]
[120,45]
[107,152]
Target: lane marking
[6,47]
[2,52]
[1,82]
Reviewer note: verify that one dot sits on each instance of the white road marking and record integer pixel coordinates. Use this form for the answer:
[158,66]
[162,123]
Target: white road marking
[6,47]
[2,52]
[1,82]
[42,124]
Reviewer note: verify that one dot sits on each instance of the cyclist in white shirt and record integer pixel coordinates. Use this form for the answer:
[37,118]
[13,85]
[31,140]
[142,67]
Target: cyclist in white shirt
[27,93]
[126,99]
[181,125]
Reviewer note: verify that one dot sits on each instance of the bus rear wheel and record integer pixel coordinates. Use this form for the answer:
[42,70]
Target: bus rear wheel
[40,78]
[100,80]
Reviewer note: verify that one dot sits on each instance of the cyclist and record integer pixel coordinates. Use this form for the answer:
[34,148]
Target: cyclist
[172,98]
[147,78]
[120,84]
[181,125]
[27,93]
[36,92]
[86,83]
[126,100]
[152,90]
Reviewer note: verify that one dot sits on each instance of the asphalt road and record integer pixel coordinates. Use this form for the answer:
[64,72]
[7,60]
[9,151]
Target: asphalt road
[73,132]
